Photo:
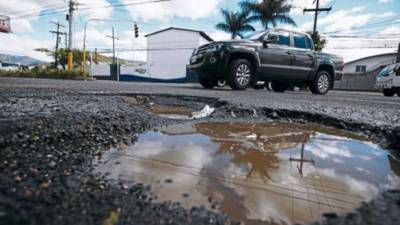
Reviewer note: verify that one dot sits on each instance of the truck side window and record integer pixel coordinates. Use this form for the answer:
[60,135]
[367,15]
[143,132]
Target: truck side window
[284,39]
[301,42]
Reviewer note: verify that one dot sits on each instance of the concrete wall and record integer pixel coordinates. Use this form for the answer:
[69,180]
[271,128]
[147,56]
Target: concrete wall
[176,48]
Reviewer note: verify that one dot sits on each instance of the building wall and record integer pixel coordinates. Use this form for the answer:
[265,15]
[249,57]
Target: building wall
[372,63]
[364,81]
[176,47]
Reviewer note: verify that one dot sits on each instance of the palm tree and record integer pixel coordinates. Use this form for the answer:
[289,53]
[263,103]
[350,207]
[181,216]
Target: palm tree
[235,23]
[269,12]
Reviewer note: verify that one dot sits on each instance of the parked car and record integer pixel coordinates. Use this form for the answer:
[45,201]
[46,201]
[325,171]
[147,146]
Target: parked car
[388,80]
[283,57]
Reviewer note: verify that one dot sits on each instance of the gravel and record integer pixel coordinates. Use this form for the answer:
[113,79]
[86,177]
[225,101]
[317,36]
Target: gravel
[52,131]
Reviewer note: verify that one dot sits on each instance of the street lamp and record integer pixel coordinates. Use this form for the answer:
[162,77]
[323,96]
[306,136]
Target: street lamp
[84,70]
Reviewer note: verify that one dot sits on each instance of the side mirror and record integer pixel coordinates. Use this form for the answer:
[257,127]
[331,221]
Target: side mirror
[397,71]
[270,39]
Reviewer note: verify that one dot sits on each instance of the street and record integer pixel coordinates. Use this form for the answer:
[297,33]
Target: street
[76,152]
[365,107]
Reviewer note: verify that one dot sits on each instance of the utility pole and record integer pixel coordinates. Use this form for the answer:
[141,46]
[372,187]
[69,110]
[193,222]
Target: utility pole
[398,54]
[70,18]
[66,41]
[316,10]
[58,33]
[113,40]
[302,160]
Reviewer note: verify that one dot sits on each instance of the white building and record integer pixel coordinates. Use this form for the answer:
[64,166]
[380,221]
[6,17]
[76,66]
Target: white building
[369,63]
[361,74]
[169,52]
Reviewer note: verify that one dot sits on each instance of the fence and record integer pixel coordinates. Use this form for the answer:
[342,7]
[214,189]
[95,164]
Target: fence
[359,81]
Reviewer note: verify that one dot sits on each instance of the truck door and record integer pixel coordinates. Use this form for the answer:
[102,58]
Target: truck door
[303,57]
[276,58]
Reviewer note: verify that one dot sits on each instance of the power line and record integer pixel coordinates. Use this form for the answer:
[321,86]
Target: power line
[66,9]
[126,4]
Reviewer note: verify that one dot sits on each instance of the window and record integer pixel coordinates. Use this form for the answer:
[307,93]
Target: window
[361,69]
[301,42]
[284,39]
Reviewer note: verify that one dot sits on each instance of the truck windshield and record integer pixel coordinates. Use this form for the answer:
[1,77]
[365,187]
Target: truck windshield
[255,36]
[384,72]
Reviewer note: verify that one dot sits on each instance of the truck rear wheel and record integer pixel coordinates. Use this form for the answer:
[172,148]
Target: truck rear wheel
[240,74]
[207,83]
[389,92]
[277,87]
[322,83]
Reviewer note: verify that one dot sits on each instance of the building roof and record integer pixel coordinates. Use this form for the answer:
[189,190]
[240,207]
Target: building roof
[203,34]
[372,56]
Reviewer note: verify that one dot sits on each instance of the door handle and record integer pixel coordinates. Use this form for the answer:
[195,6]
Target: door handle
[289,53]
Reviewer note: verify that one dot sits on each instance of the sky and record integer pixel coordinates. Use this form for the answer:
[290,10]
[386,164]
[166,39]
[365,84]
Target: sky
[353,29]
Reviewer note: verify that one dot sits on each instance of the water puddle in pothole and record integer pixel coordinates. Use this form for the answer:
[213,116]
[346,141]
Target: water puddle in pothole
[263,173]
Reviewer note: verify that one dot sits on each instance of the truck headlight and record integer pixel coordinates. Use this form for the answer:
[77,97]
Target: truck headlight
[214,48]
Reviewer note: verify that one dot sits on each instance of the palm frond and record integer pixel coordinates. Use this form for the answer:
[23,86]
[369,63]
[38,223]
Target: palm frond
[223,26]
[285,19]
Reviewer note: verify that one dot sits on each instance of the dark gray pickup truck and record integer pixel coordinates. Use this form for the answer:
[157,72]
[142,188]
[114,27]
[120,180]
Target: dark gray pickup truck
[283,57]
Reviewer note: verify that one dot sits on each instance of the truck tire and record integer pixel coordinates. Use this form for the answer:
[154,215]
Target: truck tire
[322,83]
[389,92]
[240,74]
[221,83]
[207,83]
[277,87]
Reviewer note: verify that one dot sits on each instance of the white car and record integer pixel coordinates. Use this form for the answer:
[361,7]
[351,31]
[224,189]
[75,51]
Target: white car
[388,80]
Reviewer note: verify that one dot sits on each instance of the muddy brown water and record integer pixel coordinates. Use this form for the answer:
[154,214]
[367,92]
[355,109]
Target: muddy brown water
[263,173]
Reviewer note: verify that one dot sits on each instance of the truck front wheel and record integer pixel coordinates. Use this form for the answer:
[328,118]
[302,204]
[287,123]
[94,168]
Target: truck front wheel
[240,74]
[207,83]
[322,83]
[389,92]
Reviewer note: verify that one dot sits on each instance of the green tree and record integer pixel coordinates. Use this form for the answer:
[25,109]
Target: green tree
[77,57]
[319,41]
[269,12]
[235,23]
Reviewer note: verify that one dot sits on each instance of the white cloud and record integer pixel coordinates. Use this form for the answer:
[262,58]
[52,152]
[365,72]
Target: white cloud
[20,43]
[390,31]
[164,11]
[347,47]
[23,45]
[342,20]
[299,5]
[219,36]
[385,1]
[99,8]
[20,9]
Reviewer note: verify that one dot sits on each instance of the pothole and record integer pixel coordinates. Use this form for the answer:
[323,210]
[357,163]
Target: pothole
[262,173]
[168,107]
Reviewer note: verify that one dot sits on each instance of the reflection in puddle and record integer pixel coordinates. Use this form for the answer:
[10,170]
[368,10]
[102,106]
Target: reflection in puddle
[264,173]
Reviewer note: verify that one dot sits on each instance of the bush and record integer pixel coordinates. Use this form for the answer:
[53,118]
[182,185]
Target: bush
[43,73]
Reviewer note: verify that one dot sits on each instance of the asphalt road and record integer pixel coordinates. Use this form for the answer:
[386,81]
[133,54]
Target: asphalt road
[364,107]
[52,130]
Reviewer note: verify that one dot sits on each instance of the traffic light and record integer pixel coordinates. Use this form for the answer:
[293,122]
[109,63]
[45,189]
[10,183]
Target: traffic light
[136,31]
